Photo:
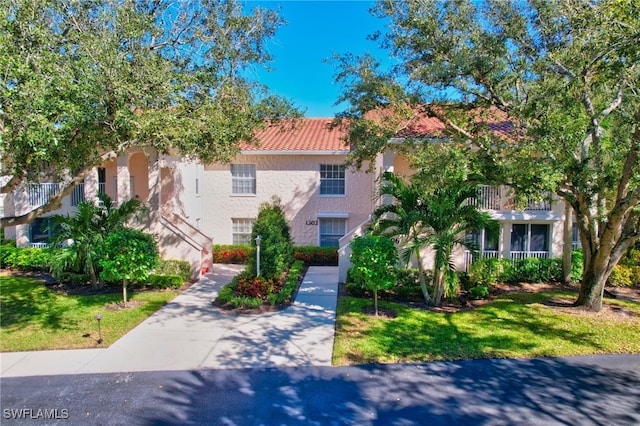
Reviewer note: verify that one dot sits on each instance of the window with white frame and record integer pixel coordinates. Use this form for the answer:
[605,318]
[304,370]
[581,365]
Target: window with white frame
[530,238]
[241,230]
[331,230]
[243,178]
[332,179]
[483,241]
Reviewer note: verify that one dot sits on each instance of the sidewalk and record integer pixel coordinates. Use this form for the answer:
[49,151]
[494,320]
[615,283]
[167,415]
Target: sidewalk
[189,333]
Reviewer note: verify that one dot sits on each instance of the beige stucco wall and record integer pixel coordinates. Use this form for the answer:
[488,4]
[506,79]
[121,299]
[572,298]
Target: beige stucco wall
[295,179]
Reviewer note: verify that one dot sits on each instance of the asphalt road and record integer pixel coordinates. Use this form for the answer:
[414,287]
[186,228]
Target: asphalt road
[602,390]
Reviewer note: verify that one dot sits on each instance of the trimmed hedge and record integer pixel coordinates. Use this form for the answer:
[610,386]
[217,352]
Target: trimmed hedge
[316,256]
[164,281]
[182,268]
[310,255]
[489,270]
[24,259]
[232,253]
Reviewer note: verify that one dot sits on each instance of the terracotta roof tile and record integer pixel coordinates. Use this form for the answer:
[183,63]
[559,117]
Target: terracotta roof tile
[309,134]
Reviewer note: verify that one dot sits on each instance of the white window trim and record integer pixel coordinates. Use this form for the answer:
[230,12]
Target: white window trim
[333,195]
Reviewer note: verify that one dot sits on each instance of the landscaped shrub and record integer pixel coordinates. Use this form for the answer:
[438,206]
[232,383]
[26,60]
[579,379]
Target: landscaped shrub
[232,253]
[26,259]
[276,250]
[576,265]
[128,255]
[534,269]
[73,278]
[181,268]
[479,292]
[247,292]
[621,276]
[488,270]
[373,258]
[316,256]
[165,281]
[7,249]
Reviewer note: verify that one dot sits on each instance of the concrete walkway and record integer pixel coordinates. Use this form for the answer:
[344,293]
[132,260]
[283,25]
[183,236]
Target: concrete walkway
[189,333]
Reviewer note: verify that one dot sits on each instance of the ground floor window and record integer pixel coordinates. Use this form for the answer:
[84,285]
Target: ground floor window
[530,238]
[331,230]
[241,230]
[40,231]
[483,241]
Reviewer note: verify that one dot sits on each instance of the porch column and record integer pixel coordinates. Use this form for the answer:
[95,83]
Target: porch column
[91,186]
[124,188]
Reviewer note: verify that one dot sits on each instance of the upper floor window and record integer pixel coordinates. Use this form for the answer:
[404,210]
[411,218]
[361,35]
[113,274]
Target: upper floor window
[243,178]
[332,179]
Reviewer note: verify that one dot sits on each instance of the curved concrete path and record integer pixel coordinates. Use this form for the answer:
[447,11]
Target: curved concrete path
[189,333]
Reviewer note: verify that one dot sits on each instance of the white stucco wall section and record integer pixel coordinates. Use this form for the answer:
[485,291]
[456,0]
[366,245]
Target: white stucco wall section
[295,179]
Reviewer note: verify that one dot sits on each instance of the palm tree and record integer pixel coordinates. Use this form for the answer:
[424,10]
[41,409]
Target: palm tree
[449,216]
[86,230]
[404,218]
[438,220]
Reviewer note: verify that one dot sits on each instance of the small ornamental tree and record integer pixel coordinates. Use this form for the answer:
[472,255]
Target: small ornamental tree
[276,249]
[128,254]
[374,258]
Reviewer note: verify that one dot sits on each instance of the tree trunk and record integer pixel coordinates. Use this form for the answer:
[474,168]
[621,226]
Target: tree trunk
[92,275]
[438,286]
[423,284]
[568,243]
[124,292]
[594,278]
[375,301]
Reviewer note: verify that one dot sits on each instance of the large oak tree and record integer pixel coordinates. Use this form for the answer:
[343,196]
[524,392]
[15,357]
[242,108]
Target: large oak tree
[564,73]
[83,80]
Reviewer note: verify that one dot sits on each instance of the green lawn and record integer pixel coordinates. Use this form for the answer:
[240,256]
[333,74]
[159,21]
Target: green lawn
[512,326]
[33,317]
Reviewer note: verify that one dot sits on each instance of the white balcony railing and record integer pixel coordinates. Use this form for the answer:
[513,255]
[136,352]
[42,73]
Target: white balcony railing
[488,198]
[518,255]
[77,195]
[540,205]
[469,258]
[39,194]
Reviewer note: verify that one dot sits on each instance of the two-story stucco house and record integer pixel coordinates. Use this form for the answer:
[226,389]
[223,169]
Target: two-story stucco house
[194,205]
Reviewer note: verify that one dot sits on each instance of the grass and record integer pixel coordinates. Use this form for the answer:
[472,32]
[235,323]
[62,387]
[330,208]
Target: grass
[33,317]
[515,325]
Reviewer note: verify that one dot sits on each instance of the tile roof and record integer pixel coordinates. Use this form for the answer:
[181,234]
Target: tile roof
[308,134]
[316,134]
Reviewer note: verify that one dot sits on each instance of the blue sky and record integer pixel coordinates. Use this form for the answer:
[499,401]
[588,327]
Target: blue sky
[315,30]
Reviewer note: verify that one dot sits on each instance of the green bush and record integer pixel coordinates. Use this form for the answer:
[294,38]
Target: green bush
[621,276]
[491,270]
[257,295]
[488,270]
[165,281]
[316,256]
[576,265]
[479,292]
[276,249]
[7,249]
[181,268]
[73,278]
[25,259]
[232,253]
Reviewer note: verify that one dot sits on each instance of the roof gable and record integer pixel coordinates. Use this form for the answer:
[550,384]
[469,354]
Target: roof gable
[308,135]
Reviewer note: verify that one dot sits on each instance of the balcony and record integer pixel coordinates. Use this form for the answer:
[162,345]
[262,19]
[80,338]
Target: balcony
[39,194]
[77,195]
[491,198]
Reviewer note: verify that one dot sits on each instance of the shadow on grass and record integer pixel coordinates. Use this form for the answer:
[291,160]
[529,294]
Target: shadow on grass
[518,326]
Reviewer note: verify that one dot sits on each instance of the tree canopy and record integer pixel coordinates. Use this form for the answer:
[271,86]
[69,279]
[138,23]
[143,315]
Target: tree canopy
[83,80]
[564,75]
